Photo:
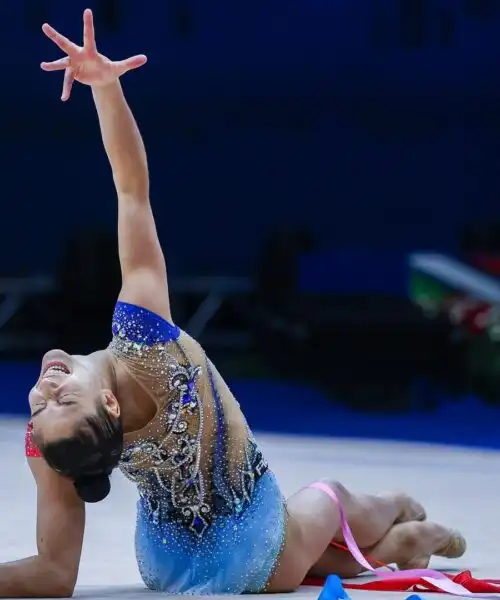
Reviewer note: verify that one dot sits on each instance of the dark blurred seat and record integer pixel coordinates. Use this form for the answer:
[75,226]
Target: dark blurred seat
[88,284]
[343,319]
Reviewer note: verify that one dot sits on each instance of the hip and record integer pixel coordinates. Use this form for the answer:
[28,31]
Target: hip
[236,554]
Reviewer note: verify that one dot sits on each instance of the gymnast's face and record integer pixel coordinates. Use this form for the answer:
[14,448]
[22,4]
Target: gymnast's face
[65,392]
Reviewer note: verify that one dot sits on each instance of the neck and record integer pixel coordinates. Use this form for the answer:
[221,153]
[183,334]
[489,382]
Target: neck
[130,407]
[104,366]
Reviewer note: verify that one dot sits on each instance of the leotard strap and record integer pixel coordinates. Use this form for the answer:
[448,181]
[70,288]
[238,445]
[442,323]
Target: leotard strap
[31,450]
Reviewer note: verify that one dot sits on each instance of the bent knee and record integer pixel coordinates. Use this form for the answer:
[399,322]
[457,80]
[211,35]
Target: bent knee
[339,490]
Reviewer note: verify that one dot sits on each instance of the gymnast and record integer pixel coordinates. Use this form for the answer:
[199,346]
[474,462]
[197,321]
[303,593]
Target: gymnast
[211,518]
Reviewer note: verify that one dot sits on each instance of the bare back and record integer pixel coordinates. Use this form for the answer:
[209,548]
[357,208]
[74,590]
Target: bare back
[198,444]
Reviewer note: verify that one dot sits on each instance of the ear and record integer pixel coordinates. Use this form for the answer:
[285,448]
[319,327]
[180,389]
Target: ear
[111,403]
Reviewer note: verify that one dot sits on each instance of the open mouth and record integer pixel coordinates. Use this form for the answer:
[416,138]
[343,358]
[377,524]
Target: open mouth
[55,367]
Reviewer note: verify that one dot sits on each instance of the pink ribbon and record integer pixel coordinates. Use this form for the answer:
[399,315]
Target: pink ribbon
[436,578]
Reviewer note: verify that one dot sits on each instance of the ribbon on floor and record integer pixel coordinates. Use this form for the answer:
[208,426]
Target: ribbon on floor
[478,588]
[423,579]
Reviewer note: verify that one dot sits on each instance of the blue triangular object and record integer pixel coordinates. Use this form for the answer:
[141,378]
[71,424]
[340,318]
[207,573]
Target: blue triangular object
[333,589]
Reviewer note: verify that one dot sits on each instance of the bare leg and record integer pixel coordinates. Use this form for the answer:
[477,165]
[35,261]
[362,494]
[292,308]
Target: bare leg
[409,545]
[371,517]
[314,522]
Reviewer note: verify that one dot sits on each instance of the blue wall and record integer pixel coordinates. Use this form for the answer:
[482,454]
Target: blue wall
[286,111]
[302,410]
[373,126]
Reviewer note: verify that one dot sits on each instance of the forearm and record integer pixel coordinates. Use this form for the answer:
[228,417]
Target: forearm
[122,141]
[32,577]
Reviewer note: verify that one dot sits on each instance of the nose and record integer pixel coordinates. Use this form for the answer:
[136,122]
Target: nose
[47,387]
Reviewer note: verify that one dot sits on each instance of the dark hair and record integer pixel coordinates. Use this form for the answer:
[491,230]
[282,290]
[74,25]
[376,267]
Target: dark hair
[90,455]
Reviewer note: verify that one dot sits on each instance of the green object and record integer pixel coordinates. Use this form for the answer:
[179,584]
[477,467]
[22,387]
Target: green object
[428,292]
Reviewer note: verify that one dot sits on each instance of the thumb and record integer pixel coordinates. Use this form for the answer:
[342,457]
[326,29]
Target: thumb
[134,62]
[69,79]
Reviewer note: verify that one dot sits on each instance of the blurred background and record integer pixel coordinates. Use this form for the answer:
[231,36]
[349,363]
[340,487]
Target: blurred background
[325,179]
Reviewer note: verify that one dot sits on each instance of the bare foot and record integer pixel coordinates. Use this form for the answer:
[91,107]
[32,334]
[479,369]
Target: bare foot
[455,548]
[420,541]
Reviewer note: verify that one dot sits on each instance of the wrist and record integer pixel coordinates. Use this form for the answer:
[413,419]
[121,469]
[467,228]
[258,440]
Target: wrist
[107,88]
[109,94]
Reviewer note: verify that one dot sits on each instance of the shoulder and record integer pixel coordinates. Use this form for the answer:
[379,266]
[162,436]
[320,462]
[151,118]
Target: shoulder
[132,323]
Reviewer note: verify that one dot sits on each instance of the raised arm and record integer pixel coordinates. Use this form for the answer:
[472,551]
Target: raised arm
[53,571]
[144,276]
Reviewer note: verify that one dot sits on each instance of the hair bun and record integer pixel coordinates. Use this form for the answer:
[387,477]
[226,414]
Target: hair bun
[94,488]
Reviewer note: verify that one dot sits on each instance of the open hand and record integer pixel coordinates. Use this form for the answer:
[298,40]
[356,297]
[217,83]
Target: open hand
[85,64]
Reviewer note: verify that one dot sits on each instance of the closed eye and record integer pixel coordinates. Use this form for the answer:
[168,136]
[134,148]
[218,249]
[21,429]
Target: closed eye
[61,402]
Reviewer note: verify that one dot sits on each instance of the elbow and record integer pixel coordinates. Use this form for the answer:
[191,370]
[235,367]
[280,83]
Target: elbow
[65,583]
[54,589]
[63,590]
[62,583]
[59,593]
[59,588]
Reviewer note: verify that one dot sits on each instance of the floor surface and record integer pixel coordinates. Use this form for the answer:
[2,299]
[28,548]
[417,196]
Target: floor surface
[458,487]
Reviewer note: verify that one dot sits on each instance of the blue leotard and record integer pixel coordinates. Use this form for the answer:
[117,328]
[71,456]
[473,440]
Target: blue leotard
[210,517]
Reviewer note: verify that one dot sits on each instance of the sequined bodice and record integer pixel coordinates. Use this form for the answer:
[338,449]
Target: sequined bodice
[191,462]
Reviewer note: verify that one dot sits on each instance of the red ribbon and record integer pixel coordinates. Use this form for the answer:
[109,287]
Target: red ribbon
[413,584]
